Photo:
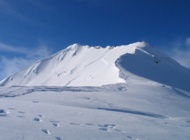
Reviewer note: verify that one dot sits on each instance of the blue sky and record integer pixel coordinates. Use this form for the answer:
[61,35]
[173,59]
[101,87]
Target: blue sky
[33,29]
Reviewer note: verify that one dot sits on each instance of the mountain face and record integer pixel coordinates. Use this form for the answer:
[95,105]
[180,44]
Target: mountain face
[95,66]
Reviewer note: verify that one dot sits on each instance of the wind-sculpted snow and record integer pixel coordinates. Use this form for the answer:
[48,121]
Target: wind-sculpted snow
[74,66]
[155,66]
[80,66]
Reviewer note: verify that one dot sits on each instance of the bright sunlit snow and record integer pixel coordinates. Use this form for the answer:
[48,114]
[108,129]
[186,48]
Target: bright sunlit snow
[129,92]
[142,111]
[96,66]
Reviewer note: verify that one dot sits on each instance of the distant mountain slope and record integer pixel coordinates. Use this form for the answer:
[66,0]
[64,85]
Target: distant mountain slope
[95,66]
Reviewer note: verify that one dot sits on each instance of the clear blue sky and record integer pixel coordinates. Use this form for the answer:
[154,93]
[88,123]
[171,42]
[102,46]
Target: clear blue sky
[33,29]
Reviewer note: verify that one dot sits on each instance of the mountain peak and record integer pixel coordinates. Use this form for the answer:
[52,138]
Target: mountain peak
[79,65]
[74,46]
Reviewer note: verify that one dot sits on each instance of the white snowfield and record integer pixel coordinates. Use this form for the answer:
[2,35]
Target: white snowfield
[74,66]
[142,111]
[95,66]
[129,92]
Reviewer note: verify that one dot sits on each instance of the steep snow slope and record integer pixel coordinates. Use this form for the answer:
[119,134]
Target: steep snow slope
[75,66]
[154,65]
[95,66]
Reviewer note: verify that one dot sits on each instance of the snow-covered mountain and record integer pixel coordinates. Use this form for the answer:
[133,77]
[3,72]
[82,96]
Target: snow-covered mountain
[96,66]
[135,102]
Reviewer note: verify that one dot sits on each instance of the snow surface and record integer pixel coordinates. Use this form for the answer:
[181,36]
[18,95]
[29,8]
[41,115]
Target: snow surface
[96,66]
[129,92]
[142,111]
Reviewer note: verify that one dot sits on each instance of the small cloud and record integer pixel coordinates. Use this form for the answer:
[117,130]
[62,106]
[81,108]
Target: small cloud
[9,48]
[181,52]
[188,42]
[37,52]
[41,51]
[11,65]
[182,56]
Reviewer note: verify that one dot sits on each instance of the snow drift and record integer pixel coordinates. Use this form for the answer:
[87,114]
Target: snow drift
[96,66]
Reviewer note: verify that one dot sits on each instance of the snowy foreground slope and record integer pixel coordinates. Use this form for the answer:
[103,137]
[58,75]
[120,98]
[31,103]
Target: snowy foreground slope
[141,111]
[95,66]
[131,92]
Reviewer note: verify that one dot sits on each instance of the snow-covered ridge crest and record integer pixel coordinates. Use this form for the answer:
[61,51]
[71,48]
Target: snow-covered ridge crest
[74,66]
[79,65]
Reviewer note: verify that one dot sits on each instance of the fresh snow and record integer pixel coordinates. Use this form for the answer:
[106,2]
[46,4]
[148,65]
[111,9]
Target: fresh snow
[130,111]
[128,92]
[95,66]
[155,66]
